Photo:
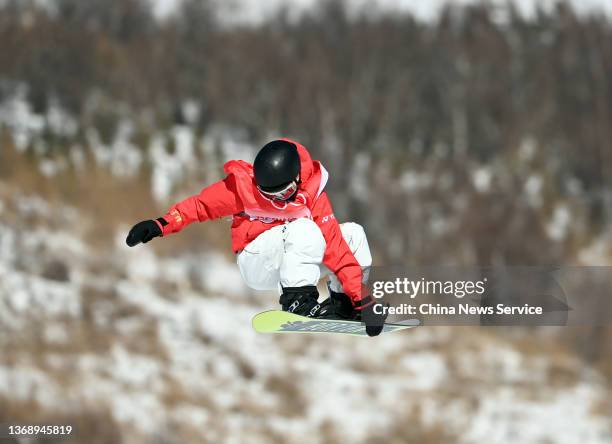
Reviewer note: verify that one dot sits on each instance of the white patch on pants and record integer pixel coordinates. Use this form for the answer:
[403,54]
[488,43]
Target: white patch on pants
[291,255]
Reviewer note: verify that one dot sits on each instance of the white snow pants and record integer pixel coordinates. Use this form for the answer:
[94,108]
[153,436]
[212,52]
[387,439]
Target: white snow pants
[291,255]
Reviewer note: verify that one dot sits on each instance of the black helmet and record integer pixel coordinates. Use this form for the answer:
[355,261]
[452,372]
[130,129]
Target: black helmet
[276,165]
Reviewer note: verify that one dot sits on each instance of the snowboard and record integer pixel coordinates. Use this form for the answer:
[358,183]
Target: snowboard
[277,321]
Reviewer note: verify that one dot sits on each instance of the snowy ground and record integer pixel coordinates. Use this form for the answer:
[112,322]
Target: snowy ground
[164,345]
[253,11]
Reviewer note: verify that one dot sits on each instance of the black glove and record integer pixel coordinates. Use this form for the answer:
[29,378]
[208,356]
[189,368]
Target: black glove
[144,231]
[374,322]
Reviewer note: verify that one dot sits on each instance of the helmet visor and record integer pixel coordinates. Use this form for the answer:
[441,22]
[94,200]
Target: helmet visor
[285,192]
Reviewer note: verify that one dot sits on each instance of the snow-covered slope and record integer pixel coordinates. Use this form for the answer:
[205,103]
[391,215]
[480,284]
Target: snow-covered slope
[164,346]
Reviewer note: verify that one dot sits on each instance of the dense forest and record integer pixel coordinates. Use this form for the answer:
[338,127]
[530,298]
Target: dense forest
[449,140]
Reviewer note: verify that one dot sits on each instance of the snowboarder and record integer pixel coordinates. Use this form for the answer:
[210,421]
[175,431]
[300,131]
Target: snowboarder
[284,233]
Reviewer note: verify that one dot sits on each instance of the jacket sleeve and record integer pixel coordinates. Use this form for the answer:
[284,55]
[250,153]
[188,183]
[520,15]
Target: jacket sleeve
[217,200]
[338,256]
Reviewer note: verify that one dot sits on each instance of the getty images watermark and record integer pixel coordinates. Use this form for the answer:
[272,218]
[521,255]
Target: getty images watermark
[494,295]
[458,289]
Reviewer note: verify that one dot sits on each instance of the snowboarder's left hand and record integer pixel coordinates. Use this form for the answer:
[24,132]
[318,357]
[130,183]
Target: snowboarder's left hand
[143,232]
[374,322]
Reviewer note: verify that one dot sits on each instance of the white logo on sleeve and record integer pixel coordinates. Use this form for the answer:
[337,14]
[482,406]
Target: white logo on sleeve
[327,218]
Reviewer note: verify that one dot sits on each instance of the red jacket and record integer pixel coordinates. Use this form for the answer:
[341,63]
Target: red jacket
[237,196]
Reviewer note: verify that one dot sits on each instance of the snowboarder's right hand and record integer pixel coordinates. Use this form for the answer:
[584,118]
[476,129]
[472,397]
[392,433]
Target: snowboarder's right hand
[143,232]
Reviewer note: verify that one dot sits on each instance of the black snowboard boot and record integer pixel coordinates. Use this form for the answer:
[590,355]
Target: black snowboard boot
[337,306]
[301,300]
